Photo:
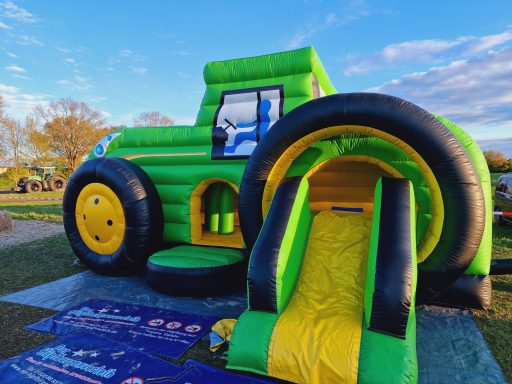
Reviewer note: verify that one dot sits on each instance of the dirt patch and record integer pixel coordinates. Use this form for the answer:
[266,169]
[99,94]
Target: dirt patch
[15,199]
[29,230]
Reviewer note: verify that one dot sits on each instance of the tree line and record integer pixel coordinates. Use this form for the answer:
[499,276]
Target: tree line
[497,162]
[61,133]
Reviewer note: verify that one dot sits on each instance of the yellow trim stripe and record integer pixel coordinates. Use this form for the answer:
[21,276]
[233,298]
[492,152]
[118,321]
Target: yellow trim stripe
[131,157]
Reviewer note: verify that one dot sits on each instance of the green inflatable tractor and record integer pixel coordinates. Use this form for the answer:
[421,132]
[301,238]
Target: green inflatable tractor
[337,213]
[42,179]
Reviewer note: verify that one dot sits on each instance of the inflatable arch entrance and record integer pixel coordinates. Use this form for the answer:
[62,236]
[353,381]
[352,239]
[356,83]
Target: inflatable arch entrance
[291,278]
[338,211]
[453,237]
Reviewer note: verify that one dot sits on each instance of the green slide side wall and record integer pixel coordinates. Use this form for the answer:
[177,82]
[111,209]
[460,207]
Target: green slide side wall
[248,350]
[388,359]
[371,265]
[384,358]
[251,338]
[293,247]
[482,262]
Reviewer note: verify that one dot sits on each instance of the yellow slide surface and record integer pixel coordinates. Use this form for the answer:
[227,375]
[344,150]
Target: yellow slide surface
[319,333]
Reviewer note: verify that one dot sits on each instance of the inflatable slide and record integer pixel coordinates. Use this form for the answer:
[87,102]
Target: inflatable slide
[336,276]
[339,212]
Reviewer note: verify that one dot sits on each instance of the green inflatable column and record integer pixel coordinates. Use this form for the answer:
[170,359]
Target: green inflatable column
[211,212]
[226,210]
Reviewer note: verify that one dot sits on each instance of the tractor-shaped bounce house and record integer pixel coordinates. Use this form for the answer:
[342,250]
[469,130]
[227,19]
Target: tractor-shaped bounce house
[338,212]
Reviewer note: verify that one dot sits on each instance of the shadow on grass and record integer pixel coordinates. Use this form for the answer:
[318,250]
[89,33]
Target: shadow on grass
[503,286]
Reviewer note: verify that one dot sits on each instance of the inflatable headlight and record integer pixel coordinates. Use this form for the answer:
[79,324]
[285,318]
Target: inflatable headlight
[101,148]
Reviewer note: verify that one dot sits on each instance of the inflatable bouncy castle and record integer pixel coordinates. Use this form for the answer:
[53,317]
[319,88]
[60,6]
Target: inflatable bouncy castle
[338,212]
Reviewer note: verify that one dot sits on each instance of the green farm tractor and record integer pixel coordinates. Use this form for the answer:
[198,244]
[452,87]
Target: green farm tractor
[42,179]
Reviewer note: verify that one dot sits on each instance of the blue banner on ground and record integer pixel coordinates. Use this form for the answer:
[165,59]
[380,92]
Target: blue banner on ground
[153,330]
[86,358]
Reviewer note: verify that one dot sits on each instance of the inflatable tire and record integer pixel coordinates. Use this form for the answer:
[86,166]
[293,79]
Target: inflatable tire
[211,271]
[459,183]
[112,216]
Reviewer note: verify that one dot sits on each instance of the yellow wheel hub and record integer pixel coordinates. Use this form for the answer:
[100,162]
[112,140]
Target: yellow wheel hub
[100,218]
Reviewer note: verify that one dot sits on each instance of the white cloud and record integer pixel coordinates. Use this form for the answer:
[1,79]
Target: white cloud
[21,77]
[185,120]
[29,40]
[501,145]
[12,11]
[429,51]
[11,55]
[126,118]
[105,69]
[475,93]
[350,11]
[4,26]
[70,60]
[184,75]
[77,83]
[129,54]
[485,43]
[8,88]
[181,53]
[97,99]
[15,68]
[139,70]
[299,36]
[62,50]
[125,53]
[19,104]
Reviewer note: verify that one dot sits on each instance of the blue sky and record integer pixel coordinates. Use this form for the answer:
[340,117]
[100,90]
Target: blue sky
[124,57]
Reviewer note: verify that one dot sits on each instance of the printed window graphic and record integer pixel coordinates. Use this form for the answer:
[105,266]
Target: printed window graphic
[243,118]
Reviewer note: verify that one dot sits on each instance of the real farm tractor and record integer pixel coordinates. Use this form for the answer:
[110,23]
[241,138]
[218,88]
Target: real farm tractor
[42,179]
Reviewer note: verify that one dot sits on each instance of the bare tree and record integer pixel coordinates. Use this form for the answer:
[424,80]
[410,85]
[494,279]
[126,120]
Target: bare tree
[2,119]
[72,129]
[152,119]
[13,138]
[2,108]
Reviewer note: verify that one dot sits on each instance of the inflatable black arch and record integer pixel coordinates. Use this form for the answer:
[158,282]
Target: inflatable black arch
[141,207]
[460,187]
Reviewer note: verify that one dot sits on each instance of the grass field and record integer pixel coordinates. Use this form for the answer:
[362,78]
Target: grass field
[34,210]
[22,208]
[44,261]
[49,259]
[495,177]
[47,195]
